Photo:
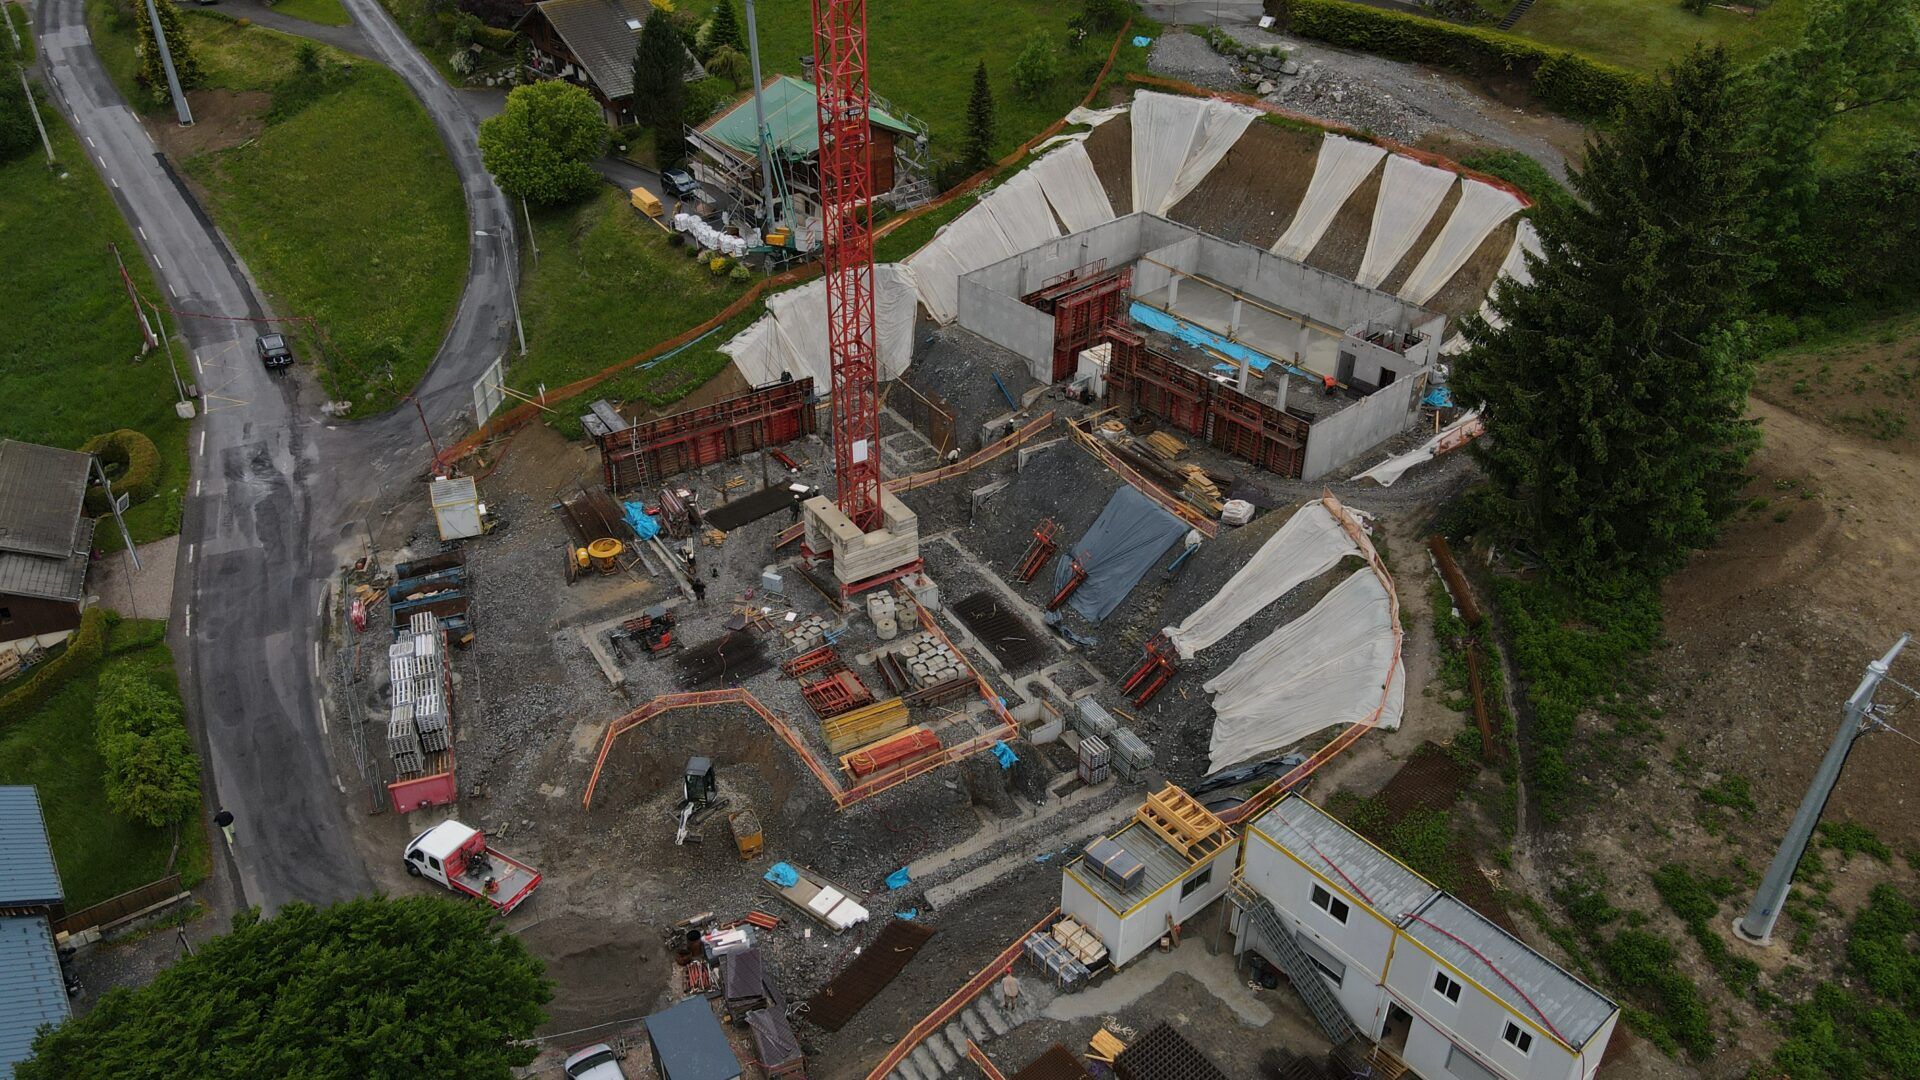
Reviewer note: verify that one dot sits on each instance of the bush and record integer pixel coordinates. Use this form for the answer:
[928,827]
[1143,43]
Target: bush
[740,274]
[498,39]
[152,775]
[705,97]
[137,460]
[85,647]
[1568,82]
[719,264]
[1037,66]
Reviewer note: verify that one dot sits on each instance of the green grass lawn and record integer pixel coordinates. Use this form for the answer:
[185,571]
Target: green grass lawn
[324,12]
[607,285]
[69,343]
[345,206]
[100,854]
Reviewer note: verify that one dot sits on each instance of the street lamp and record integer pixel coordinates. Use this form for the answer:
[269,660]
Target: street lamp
[513,293]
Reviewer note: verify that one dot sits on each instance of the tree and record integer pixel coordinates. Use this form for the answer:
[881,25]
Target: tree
[151,775]
[977,152]
[17,133]
[725,30]
[423,986]
[186,63]
[540,146]
[1615,387]
[660,65]
[730,64]
[1105,14]
[1037,66]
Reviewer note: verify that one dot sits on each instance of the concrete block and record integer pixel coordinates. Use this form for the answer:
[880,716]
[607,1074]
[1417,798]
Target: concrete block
[1027,453]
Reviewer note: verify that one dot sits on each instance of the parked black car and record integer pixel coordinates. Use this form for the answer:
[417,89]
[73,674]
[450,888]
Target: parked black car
[678,184]
[273,350]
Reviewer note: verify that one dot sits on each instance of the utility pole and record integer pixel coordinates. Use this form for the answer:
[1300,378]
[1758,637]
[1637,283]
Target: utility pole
[1756,927]
[166,61]
[32,105]
[760,132]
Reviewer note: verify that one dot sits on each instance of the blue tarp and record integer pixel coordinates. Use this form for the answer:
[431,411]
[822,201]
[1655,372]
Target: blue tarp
[1204,338]
[783,875]
[1004,754]
[898,879]
[1439,397]
[644,526]
[1142,42]
[1125,541]
[909,914]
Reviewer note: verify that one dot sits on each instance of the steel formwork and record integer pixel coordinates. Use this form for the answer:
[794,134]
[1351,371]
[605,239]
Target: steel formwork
[1251,430]
[640,456]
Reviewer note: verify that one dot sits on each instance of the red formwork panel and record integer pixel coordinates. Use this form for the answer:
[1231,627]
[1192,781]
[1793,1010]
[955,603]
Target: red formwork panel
[641,455]
[420,792]
[1141,379]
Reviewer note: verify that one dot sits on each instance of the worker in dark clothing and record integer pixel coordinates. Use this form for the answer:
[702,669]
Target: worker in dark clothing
[699,591]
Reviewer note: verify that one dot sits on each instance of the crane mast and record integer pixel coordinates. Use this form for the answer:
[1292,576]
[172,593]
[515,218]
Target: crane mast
[846,196]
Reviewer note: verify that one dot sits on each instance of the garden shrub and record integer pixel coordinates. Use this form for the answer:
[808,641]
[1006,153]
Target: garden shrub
[85,647]
[138,461]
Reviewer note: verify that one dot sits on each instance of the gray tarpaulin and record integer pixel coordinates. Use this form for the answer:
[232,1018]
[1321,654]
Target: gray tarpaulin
[773,1041]
[1124,542]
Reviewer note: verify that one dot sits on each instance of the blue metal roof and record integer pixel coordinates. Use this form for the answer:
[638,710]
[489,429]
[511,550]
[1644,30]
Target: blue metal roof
[27,873]
[32,991]
[690,1044]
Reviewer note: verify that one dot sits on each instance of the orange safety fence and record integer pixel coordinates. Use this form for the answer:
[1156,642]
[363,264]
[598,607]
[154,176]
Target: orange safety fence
[979,1057]
[960,999]
[1091,444]
[975,460]
[1438,161]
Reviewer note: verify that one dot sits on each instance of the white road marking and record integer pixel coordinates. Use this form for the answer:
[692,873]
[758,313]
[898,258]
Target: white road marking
[196,489]
[320,612]
[201,371]
[189,626]
[158,263]
[115,183]
[141,230]
[171,289]
[101,160]
[89,140]
[203,431]
[316,659]
[190,548]
[322,710]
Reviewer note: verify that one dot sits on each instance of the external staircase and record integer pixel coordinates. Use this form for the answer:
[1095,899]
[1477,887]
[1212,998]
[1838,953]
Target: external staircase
[1265,924]
[943,1054]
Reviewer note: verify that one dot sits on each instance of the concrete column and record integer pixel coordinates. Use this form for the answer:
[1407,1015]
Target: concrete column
[1173,289]
[1233,320]
[1300,346]
[1280,391]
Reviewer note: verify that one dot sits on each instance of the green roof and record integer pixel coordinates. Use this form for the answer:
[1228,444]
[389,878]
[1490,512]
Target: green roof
[791,120]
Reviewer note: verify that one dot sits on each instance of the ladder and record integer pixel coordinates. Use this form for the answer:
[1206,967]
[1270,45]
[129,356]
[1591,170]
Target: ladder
[1307,981]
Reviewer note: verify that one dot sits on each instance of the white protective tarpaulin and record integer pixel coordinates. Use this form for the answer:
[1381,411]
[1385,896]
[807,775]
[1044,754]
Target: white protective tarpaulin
[1525,239]
[1308,545]
[1409,194]
[1073,189]
[965,244]
[1455,435]
[1176,142]
[1330,666]
[1340,167]
[1481,208]
[792,336]
[1020,209]
[1095,117]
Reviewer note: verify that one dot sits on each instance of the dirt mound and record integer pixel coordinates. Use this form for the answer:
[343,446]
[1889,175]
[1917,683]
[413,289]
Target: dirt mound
[1111,148]
[1251,196]
[1468,288]
[1345,242]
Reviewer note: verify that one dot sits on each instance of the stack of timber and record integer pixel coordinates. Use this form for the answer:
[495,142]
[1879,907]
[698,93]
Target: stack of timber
[860,727]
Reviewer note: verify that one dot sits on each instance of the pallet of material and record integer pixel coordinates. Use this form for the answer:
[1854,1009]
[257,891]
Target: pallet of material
[852,730]
[941,692]
[1181,821]
[1079,941]
[1163,446]
[891,753]
[816,897]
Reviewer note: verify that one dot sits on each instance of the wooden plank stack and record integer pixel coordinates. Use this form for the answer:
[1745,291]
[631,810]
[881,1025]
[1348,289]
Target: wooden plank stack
[1181,821]
[856,728]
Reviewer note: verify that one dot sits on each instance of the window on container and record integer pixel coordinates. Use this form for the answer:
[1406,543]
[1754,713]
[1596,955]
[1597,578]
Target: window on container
[1197,882]
[1446,986]
[1330,904]
[1518,1037]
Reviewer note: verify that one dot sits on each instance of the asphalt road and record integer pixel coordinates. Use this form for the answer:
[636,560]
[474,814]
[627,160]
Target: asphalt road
[277,488]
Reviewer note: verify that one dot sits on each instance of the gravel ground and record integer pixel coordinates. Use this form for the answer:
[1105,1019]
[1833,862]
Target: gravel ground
[1187,57]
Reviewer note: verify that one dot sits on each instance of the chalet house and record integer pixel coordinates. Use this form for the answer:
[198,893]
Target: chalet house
[591,43]
[46,541]
[726,155]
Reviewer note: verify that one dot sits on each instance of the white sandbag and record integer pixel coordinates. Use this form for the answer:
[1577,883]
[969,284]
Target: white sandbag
[1340,167]
[1176,142]
[1409,194]
[1020,209]
[1308,545]
[1481,208]
[1072,188]
[1330,666]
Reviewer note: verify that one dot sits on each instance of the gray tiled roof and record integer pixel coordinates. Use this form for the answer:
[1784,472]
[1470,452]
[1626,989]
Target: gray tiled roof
[27,873]
[1484,952]
[32,991]
[48,578]
[1336,852]
[41,491]
[603,35]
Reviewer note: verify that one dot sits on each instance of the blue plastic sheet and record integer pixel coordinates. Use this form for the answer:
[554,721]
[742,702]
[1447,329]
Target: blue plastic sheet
[1185,331]
[644,525]
[909,914]
[783,875]
[1004,754]
[1439,397]
[898,879]
[1142,42]
[1123,543]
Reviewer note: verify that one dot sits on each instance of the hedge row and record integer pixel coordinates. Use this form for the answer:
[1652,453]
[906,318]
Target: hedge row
[139,462]
[85,647]
[1565,81]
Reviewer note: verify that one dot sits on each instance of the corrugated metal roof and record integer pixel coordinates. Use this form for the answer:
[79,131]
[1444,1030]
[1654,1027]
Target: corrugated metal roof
[41,491]
[792,120]
[50,578]
[32,991]
[1466,939]
[1164,865]
[27,873]
[1336,852]
[691,1044]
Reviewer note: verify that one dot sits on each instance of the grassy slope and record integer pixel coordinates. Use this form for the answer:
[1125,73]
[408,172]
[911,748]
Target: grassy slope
[100,855]
[368,235]
[68,336]
[607,286]
[1864,380]
[324,12]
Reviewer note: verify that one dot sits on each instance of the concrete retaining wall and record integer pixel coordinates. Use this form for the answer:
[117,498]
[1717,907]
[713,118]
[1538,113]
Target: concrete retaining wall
[1354,430]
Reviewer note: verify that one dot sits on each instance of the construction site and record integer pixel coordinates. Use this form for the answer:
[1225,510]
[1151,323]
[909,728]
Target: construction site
[945,692]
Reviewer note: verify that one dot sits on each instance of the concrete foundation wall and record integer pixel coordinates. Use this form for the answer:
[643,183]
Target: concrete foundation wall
[1354,430]
[1001,318]
[1157,267]
[1296,287]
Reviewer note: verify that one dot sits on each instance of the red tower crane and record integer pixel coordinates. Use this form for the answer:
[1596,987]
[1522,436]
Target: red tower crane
[846,194]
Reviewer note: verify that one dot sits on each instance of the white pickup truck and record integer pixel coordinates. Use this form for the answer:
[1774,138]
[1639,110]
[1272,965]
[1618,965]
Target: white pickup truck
[457,856]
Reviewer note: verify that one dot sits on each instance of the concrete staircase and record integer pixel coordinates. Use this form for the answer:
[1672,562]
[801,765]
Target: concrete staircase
[1513,14]
[944,1053]
[1264,922]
